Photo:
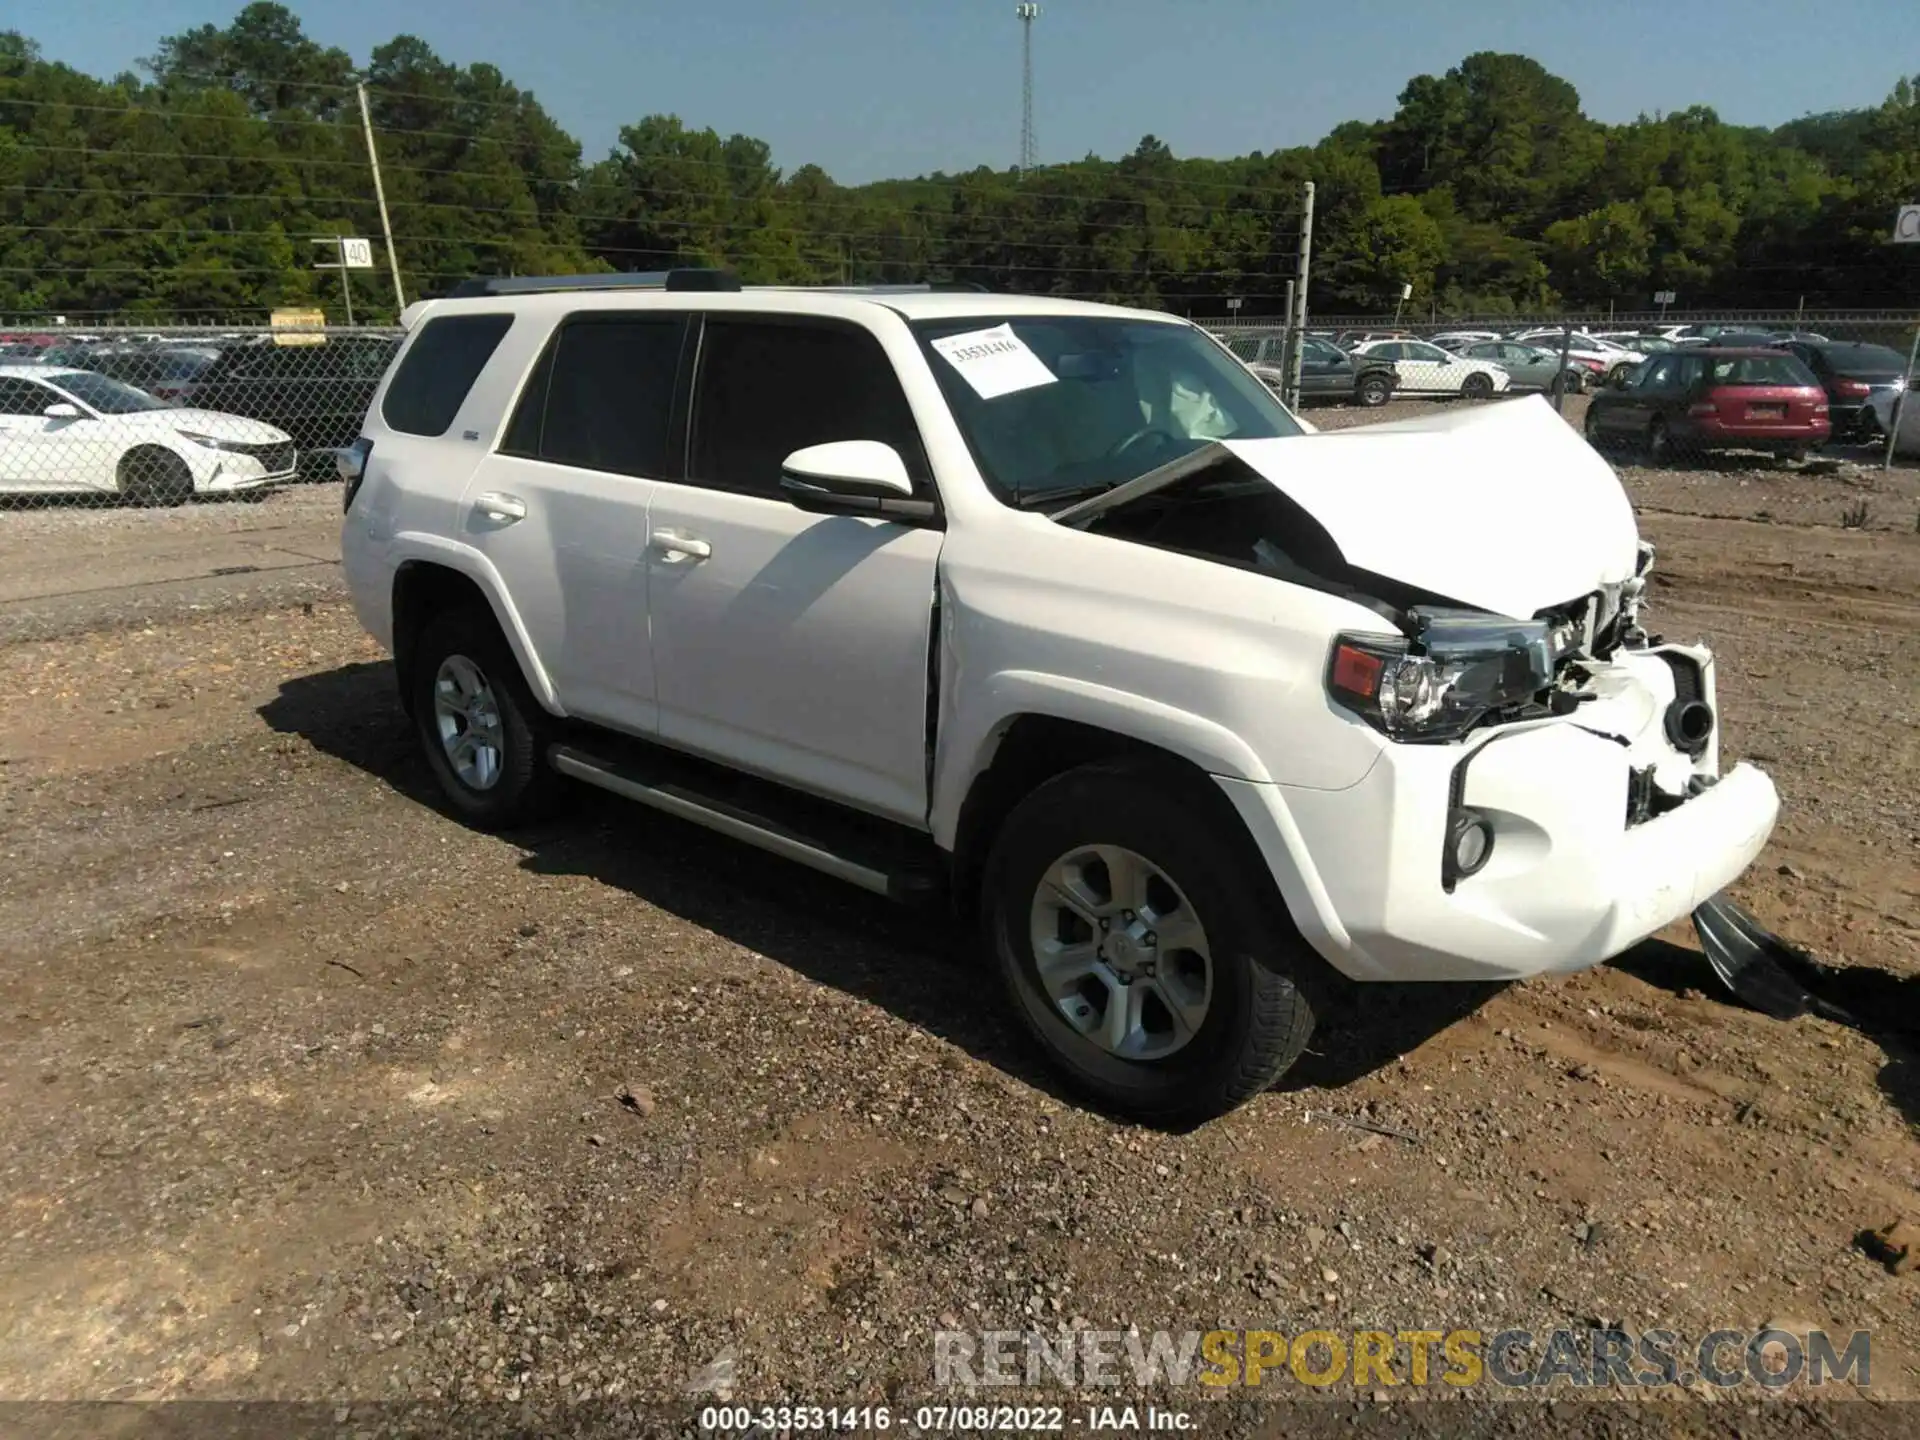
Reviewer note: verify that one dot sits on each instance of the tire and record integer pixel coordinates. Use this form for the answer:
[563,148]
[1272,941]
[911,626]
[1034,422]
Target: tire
[1590,427]
[1373,391]
[1248,965]
[1619,373]
[1567,382]
[152,476]
[1659,444]
[516,785]
[1478,386]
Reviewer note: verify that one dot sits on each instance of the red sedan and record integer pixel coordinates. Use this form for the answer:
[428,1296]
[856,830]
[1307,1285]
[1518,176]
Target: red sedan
[1713,399]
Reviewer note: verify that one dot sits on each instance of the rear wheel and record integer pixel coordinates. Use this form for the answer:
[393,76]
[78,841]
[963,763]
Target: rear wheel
[1143,945]
[1659,443]
[483,733]
[1478,386]
[1373,391]
[1618,374]
[152,476]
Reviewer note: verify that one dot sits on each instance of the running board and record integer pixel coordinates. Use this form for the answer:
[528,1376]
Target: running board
[654,786]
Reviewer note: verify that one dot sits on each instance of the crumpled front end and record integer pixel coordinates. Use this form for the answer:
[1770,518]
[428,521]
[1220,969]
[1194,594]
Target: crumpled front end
[1543,843]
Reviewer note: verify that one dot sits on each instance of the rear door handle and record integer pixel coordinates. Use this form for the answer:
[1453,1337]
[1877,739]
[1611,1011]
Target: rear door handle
[501,508]
[675,546]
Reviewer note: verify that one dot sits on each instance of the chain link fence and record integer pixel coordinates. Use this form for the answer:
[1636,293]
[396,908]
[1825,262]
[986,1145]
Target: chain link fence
[1776,417]
[160,417]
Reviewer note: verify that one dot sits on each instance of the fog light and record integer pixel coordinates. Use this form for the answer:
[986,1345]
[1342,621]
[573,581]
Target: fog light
[1469,843]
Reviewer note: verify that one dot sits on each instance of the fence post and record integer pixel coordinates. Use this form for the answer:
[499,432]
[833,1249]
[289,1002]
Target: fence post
[1297,321]
[1900,400]
[1560,376]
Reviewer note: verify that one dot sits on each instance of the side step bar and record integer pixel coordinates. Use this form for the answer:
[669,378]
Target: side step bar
[731,820]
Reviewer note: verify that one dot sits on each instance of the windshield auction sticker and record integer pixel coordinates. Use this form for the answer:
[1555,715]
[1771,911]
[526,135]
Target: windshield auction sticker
[994,362]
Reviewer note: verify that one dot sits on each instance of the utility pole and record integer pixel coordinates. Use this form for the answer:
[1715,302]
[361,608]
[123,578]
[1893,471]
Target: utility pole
[1303,269]
[1029,147]
[379,194]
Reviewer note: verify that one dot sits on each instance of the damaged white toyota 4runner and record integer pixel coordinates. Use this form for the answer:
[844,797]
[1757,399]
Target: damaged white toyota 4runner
[1053,610]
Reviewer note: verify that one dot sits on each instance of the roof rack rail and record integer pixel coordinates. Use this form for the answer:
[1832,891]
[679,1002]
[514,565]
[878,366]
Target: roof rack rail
[683,279]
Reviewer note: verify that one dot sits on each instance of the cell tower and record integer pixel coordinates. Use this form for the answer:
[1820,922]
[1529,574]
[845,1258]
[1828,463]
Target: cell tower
[1029,148]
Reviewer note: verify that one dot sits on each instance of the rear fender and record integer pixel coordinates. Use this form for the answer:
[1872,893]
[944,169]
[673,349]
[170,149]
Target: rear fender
[414,547]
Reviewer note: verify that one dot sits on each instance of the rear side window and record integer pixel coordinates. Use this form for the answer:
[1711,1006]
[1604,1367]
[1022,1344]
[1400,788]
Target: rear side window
[438,371]
[767,389]
[601,397]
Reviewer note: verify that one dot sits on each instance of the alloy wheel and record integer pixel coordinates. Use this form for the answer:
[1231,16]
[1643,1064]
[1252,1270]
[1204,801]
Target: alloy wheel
[1120,952]
[467,718]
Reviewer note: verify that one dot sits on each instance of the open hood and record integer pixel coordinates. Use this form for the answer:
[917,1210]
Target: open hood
[1503,506]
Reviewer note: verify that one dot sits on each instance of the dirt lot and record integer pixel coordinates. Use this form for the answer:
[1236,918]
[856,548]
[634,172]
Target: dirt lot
[309,1091]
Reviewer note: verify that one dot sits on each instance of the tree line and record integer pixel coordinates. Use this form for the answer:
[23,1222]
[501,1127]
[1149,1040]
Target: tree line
[197,187]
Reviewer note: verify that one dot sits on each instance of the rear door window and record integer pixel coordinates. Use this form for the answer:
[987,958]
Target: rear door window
[439,369]
[601,396]
[768,388]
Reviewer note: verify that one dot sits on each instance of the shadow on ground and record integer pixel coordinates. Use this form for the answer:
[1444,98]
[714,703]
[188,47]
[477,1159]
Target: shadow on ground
[918,964]
[1882,1006]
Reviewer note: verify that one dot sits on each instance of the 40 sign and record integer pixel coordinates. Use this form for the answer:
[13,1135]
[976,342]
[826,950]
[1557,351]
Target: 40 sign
[1906,228]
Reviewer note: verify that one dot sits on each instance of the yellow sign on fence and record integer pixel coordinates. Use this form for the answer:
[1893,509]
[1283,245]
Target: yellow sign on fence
[299,327]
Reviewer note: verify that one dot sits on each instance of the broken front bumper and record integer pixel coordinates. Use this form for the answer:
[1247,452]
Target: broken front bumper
[1569,883]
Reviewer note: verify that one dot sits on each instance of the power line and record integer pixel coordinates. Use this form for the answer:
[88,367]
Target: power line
[648,193]
[170,231]
[943,182]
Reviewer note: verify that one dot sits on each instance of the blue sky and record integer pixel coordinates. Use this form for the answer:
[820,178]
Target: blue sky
[872,88]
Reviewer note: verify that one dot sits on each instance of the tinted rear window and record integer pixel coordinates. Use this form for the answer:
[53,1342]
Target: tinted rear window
[1759,370]
[438,371]
[601,397]
[1865,359]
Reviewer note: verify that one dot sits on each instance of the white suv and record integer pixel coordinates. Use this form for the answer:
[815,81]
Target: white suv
[1052,610]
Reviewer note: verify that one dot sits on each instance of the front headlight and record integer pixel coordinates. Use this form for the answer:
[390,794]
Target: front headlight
[212,442]
[1459,668]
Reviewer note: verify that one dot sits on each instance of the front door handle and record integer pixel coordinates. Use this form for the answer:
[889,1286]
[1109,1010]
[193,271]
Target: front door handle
[675,546]
[501,508]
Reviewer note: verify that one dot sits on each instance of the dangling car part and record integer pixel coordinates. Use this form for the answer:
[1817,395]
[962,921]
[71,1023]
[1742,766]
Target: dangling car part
[1752,962]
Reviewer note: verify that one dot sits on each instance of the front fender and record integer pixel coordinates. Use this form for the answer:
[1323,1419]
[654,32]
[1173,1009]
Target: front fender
[972,733]
[416,547]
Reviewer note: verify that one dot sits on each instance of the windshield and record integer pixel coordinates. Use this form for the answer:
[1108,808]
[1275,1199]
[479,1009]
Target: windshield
[109,397]
[1053,404]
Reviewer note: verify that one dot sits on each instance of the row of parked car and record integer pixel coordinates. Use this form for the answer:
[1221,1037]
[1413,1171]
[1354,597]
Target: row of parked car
[157,421]
[1687,386]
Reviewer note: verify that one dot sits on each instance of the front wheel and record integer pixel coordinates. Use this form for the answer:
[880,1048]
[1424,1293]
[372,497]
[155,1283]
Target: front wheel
[1373,391]
[152,476]
[1477,387]
[1143,945]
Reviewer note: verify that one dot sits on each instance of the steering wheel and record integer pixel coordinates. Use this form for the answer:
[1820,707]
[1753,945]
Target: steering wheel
[1143,433]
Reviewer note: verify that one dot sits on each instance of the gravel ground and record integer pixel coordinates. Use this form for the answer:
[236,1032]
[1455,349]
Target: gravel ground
[310,1092]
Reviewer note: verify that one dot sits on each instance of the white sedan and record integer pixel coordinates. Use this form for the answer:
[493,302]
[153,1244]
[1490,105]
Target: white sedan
[66,431]
[1428,370]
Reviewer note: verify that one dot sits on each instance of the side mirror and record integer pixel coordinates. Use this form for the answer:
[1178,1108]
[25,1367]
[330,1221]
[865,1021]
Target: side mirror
[62,411]
[852,477]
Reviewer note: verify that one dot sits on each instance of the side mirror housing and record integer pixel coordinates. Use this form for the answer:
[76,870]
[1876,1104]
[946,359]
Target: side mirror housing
[64,410]
[852,477]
